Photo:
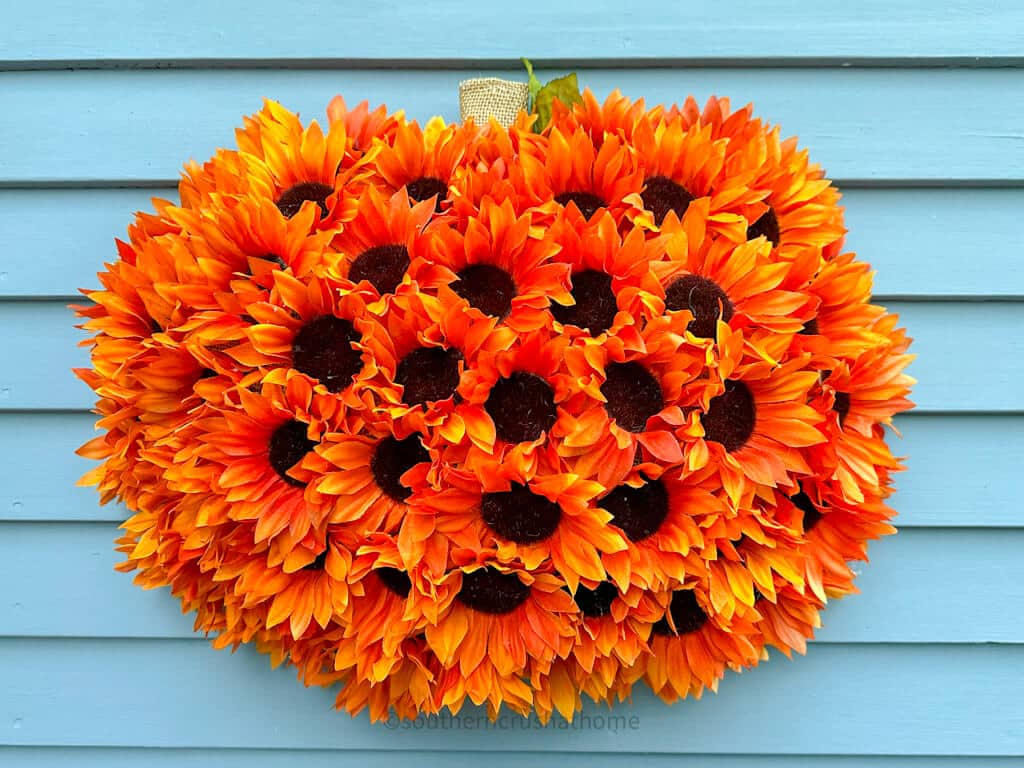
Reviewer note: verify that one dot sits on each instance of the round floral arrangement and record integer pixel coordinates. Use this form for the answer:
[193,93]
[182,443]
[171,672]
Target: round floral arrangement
[509,415]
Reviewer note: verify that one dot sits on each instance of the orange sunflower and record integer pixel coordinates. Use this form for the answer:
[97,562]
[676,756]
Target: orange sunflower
[754,428]
[843,325]
[629,399]
[613,288]
[662,512]
[498,269]
[387,611]
[683,164]
[717,281]
[313,330]
[613,634]
[246,238]
[617,116]
[495,159]
[512,399]
[410,690]
[502,622]
[260,457]
[576,174]
[377,246]
[279,160]
[691,647]
[750,556]
[837,533]
[788,620]
[422,349]
[858,399]
[739,126]
[371,473]
[128,471]
[294,596]
[530,515]
[362,124]
[425,161]
[149,386]
[800,208]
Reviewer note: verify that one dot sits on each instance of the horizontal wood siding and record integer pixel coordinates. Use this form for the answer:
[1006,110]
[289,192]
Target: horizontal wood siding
[453,30]
[840,699]
[951,340]
[915,108]
[58,238]
[86,598]
[941,446]
[863,124]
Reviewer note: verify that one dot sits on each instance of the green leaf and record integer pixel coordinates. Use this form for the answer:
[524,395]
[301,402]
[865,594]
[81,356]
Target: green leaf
[535,85]
[565,89]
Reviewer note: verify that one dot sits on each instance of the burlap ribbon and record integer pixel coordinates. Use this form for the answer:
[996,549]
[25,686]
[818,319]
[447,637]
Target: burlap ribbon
[484,97]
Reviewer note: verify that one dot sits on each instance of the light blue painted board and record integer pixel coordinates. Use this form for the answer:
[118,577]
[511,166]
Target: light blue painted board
[841,699]
[961,469]
[958,344]
[872,124]
[39,473]
[938,242]
[99,757]
[80,595]
[447,29]
[56,240]
[922,242]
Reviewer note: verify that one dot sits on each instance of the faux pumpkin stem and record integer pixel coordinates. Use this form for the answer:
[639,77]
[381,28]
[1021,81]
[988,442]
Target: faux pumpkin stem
[484,97]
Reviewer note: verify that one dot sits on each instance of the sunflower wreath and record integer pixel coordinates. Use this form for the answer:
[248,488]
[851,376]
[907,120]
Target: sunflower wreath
[514,415]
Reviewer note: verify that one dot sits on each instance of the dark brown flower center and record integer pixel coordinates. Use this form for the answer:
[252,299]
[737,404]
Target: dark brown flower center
[632,395]
[291,200]
[487,288]
[323,350]
[841,405]
[767,226]
[639,512]
[587,202]
[597,602]
[811,512]
[704,298]
[382,266]
[274,259]
[662,195]
[488,590]
[426,187]
[319,563]
[520,515]
[289,444]
[686,613]
[595,306]
[223,346]
[521,407]
[428,374]
[395,580]
[731,416]
[392,458]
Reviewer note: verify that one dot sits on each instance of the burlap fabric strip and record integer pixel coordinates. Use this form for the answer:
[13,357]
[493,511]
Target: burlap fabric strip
[483,97]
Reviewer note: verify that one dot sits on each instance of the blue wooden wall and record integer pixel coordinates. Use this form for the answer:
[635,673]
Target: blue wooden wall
[915,107]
